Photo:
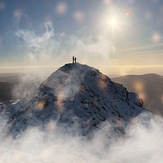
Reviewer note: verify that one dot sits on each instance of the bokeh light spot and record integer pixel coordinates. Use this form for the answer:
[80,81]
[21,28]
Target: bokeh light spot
[106,2]
[40,105]
[79,16]
[148,15]
[127,13]
[2,5]
[17,13]
[162,98]
[156,37]
[61,8]
[139,89]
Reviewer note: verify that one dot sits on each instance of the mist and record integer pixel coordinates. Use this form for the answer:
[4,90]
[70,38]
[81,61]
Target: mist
[142,143]
[28,82]
[52,48]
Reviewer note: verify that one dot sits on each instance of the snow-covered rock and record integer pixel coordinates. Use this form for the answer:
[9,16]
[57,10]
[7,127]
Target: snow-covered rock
[77,95]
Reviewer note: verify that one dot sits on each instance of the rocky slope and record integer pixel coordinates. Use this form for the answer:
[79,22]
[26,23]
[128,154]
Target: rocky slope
[74,95]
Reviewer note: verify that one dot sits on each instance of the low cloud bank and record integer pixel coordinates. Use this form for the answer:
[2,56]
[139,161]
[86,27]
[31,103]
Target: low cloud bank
[142,143]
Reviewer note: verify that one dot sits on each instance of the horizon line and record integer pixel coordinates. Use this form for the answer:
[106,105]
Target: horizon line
[125,66]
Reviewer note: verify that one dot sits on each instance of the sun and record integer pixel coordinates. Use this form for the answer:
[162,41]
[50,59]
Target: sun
[113,21]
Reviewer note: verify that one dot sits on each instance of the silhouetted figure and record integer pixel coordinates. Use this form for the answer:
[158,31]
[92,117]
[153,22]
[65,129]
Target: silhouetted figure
[75,59]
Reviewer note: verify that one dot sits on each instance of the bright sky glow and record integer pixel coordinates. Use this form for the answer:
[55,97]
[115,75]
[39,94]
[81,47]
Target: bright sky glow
[106,32]
[113,21]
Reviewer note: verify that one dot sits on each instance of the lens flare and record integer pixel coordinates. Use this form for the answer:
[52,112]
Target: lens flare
[102,81]
[40,105]
[60,100]
[79,16]
[156,37]
[2,5]
[140,89]
[61,8]
[128,13]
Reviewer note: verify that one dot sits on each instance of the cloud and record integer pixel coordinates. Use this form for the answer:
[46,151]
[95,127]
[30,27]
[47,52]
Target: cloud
[50,48]
[142,143]
[38,48]
[92,49]
[33,40]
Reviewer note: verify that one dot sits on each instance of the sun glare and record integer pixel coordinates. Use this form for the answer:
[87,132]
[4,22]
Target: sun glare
[113,21]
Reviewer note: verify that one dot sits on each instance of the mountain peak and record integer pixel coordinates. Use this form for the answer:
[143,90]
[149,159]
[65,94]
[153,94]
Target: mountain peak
[76,67]
[76,94]
[70,66]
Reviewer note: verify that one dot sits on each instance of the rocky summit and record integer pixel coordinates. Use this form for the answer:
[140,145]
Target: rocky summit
[74,95]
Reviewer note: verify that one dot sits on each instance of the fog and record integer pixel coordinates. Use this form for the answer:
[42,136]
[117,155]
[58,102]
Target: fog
[27,83]
[51,48]
[142,143]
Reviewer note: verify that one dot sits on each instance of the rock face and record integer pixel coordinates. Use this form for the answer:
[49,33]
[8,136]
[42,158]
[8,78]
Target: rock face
[74,95]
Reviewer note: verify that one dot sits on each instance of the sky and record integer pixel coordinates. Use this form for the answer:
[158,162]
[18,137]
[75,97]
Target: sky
[122,36]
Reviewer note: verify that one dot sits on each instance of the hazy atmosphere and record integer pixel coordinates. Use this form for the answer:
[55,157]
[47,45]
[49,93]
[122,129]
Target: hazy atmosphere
[118,37]
[81,81]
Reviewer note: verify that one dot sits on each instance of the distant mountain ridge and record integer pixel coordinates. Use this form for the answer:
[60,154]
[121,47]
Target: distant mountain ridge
[74,94]
[149,87]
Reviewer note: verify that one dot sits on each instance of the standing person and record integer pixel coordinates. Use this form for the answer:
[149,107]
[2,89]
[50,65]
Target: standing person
[73,59]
